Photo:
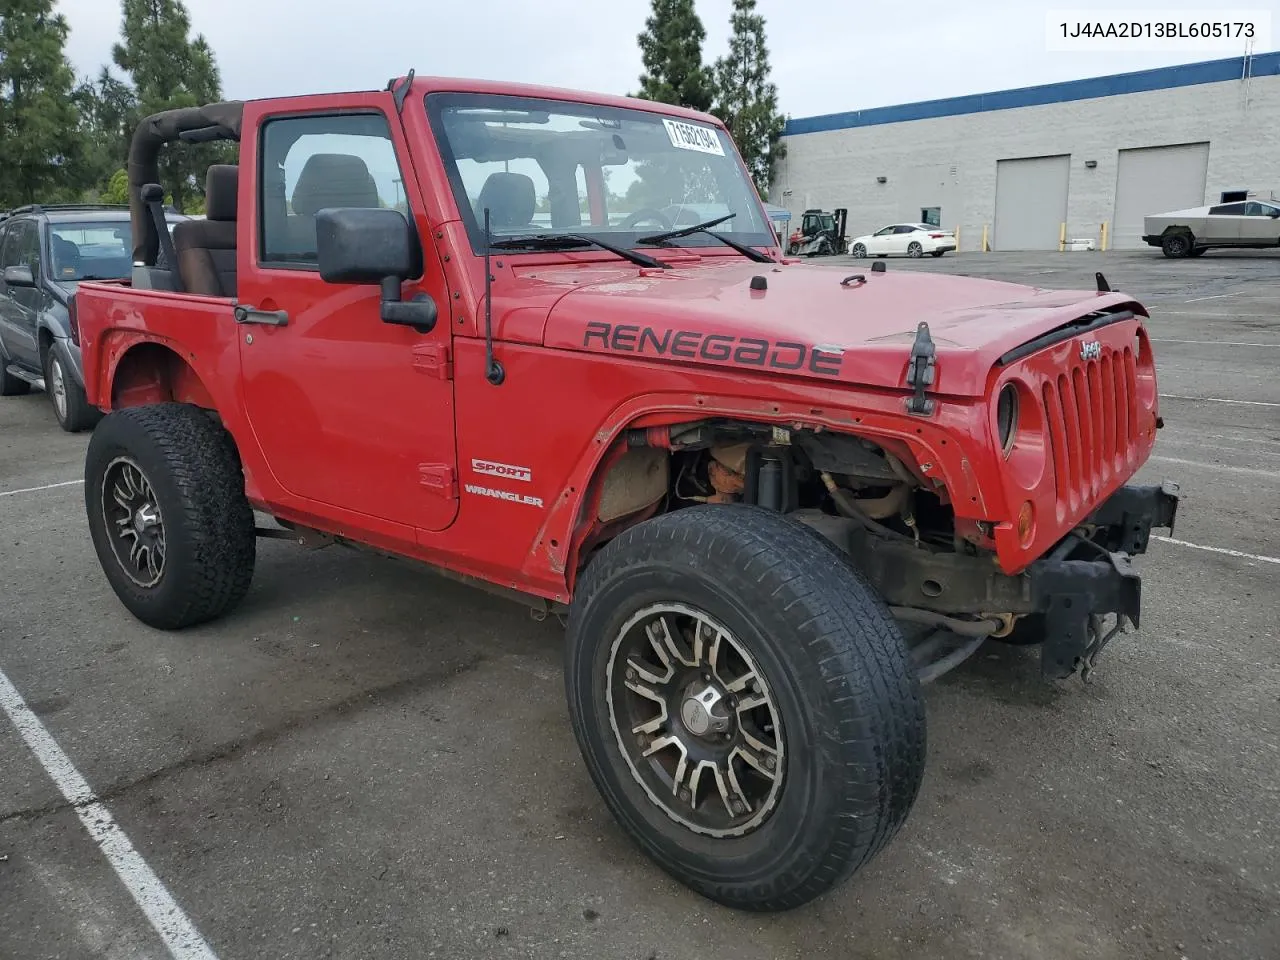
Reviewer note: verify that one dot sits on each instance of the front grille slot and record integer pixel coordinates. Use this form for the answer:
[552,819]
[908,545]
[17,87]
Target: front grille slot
[1092,423]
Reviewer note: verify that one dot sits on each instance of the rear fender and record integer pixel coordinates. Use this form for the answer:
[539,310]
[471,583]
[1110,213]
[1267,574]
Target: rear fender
[152,372]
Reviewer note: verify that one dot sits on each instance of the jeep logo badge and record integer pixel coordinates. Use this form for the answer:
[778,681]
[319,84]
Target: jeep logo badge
[1090,350]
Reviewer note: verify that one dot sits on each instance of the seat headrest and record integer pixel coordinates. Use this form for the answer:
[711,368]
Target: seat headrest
[334,180]
[510,199]
[221,185]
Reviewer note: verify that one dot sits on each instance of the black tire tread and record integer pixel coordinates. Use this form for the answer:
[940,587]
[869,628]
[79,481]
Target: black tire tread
[80,414]
[880,734]
[201,463]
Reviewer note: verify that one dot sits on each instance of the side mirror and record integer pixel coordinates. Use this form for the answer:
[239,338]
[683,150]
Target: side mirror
[19,276]
[371,245]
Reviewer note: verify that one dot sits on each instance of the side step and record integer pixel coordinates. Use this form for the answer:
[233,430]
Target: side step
[34,379]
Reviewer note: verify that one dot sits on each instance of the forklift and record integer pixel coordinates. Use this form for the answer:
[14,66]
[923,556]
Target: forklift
[821,234]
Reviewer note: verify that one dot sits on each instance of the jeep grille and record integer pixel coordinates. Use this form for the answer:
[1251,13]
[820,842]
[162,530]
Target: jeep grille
[1092,415]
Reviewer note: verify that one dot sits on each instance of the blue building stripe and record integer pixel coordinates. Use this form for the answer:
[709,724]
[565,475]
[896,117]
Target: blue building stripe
[1161,78]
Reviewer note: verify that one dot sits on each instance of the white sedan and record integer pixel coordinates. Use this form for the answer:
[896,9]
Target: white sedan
[904,239]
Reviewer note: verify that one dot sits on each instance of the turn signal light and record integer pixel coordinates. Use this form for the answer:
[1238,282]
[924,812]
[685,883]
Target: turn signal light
[1026,522]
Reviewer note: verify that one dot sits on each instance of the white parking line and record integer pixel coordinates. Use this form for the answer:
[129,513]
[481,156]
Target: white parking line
[1247,403]
[47,486]
[1248,471]
[1214,343]
[1223,550]
[1216,296]
[178,933]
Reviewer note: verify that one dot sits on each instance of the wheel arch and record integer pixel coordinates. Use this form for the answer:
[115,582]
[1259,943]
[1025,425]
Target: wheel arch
[574,529]
[152,372]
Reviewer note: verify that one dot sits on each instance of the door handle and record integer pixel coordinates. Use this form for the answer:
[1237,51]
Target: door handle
[273,318]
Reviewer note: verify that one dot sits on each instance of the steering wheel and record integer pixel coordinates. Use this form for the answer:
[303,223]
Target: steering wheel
[647,213]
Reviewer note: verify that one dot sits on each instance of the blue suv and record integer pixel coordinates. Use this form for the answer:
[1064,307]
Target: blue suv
[45,251]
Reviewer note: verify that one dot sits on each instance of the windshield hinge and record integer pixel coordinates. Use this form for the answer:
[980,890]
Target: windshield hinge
[433,360]
[921,371]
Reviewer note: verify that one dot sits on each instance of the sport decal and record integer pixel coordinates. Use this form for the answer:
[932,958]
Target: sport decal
[825,361]
[505,470]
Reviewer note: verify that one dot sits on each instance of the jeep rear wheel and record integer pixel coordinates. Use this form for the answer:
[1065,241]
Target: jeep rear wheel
[746,707]
[167,514]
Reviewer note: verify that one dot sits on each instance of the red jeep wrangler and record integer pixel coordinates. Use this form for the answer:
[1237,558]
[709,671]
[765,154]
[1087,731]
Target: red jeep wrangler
[459,322]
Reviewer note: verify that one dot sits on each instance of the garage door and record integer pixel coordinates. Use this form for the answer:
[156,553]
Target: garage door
[1031,202]
[1155,180]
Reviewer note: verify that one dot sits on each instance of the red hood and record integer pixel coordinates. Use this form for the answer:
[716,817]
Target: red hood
[708,313]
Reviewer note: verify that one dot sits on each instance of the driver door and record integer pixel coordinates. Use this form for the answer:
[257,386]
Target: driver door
[352,414]
[879,241]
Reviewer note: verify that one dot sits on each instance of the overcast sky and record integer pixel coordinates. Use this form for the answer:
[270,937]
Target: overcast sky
[827,55]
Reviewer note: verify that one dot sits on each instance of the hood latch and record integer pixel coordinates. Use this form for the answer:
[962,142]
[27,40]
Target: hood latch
[921,371]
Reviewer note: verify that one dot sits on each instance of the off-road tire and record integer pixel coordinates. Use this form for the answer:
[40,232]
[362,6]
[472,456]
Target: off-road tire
[915,250]
[1177,245]
[837,666]
[11,386]
[859,251]
[194,470]
[80,414]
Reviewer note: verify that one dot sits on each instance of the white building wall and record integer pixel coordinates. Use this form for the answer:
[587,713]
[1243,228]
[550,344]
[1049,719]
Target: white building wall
[950,162]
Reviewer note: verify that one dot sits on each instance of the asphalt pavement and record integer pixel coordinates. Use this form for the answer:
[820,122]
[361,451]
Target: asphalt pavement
[369,761]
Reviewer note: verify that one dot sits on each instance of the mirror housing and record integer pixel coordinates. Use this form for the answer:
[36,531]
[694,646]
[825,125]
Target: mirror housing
[372,245]
[19,276]
[365,245]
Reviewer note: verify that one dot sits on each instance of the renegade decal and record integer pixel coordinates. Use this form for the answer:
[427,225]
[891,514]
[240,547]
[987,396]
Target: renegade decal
[503,495]
[505,470]
[825,361]
[692,136]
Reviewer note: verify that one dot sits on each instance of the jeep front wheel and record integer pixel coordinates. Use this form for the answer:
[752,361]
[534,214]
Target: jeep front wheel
[167,514]
[746,708]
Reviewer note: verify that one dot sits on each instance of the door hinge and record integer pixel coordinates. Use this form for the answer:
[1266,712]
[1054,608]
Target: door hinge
[440,478]
[433,360]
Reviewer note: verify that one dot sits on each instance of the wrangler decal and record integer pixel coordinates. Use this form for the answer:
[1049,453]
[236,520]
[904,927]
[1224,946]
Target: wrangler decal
[503,495]
[825,361]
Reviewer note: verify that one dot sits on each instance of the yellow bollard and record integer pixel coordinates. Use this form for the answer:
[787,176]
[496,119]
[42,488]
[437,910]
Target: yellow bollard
[986,247]
[1103,245]
[1062,238]
[957,233]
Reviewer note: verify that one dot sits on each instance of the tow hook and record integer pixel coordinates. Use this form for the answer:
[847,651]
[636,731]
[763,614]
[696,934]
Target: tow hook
[1098,641]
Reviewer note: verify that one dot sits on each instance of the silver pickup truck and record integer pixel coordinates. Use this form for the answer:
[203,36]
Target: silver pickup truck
[1189,233]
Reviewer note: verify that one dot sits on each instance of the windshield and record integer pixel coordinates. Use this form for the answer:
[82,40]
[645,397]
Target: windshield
[95,249]
[548,167]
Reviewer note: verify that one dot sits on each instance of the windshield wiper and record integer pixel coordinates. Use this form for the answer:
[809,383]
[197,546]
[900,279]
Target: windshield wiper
[567,241]
[664,239]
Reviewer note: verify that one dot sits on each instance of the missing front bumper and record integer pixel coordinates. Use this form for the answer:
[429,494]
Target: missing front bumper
[1089,574]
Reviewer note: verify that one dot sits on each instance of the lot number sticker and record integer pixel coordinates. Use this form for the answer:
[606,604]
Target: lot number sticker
[691,136]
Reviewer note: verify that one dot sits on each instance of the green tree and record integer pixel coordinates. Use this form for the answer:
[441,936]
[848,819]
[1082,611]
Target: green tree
[108,109]
[41,148]
[746,99]
[117,190]
[169,69]
[671,51]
